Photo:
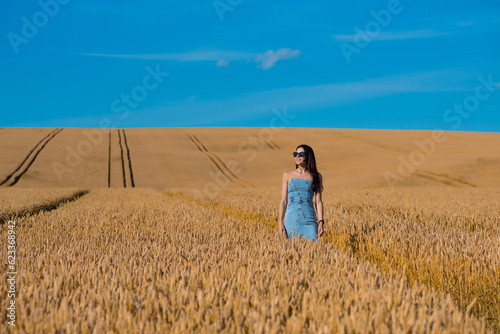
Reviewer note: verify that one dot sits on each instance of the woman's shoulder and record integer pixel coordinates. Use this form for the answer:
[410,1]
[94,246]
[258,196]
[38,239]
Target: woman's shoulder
[287,174]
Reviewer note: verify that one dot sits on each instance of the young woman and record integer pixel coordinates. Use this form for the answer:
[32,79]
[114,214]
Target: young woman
[301,185]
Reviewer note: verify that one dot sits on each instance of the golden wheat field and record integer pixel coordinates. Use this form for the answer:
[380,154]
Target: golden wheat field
[175,230]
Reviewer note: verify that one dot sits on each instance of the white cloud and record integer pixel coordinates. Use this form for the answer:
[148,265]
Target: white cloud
[268,59]
[222,63]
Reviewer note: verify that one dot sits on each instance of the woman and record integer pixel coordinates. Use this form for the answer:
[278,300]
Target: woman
[301,185]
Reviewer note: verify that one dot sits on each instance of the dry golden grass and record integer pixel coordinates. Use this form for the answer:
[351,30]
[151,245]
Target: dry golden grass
[134,260]
[446,239]
[21,201]
[422,257]
[453,246]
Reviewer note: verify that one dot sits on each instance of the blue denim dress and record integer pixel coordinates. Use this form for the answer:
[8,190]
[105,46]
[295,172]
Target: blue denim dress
[300,216]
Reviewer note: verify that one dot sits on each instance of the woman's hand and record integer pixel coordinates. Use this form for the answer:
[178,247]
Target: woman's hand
[281,229]
[320,230]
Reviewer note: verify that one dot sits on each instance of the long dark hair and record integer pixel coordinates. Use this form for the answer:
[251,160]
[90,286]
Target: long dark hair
[311,167]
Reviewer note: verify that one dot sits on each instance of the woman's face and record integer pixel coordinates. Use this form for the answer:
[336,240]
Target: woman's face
[298,159]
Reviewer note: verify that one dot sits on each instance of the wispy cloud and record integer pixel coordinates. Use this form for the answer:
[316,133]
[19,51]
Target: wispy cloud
[210,55]
[222,57]
[238,108]
[222,63]
[268,59]
[394,35]
[300,99]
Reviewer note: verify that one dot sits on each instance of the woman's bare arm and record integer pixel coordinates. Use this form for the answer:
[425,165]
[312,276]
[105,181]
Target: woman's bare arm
[319,206]
[283,202]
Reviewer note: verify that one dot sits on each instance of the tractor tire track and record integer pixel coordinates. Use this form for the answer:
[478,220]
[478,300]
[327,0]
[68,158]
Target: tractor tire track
[30,158]
[204,150]
[266,141]
[227,169]
[274,143]
[374,143]
[123,161]
[129,160]
[26,158]
[213,157]
[447,179]
[270,143]
[42,207]
[449,183]
[223,164]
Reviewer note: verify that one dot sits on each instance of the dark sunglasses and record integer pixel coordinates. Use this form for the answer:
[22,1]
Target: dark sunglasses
[300,154]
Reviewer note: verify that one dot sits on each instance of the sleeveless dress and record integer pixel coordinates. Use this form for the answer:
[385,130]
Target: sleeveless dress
[300,216]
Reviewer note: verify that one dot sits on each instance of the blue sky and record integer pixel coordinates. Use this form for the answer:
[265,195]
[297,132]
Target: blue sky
[159,63]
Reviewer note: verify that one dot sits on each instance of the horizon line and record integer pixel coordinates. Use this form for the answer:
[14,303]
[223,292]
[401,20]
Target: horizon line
[229,127]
